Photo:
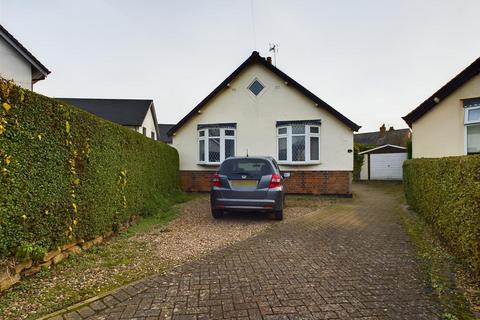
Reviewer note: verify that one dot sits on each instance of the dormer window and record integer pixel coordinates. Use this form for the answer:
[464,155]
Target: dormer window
[256,87]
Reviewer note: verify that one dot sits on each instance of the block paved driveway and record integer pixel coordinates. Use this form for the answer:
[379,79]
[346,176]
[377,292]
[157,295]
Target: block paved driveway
[350,261]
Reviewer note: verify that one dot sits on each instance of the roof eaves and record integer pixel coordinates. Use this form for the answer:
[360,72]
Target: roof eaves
[308,93]
[383,146]
[255,57]
[464,76]
[221,86]
[25,53]
[154,115]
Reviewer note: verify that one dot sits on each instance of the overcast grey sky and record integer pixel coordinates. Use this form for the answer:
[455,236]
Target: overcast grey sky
[373,60]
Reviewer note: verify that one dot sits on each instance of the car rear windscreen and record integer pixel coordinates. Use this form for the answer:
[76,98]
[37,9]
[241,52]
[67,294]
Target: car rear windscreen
[252,168]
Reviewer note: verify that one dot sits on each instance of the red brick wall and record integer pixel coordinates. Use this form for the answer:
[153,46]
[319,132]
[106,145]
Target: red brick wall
[304,182]
[319,182]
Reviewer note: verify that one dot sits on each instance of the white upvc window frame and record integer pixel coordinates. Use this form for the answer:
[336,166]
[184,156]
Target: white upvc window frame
[468,123]
[223,137]
[289,136]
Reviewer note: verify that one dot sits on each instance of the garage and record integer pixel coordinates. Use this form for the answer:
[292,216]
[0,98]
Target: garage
[383,163]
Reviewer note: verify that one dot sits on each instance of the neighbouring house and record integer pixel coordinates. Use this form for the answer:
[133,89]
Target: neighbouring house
[137,114]
[448,122]
[260,111]
[398,137]
[386,154]
[17,63]
[163,129]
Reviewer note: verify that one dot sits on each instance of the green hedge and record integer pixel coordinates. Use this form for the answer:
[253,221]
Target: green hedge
[446,192]
[67,175]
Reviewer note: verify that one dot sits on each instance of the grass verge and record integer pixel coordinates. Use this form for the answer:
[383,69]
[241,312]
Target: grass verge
[93,272]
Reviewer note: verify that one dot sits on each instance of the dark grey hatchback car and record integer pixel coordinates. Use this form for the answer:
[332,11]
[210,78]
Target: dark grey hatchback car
[248,184]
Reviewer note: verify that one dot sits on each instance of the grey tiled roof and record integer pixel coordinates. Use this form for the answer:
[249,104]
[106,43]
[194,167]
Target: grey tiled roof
[163,132]
[397,137]
[127,112]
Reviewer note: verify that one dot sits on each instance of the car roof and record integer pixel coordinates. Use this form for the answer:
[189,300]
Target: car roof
[255,157]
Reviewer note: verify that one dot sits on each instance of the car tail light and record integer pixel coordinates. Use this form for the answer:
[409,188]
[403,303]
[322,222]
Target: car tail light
[276,181]
[216,181]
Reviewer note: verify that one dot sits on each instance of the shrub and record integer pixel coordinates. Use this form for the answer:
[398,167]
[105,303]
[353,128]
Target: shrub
[358,158]
[67,175]
[446,192]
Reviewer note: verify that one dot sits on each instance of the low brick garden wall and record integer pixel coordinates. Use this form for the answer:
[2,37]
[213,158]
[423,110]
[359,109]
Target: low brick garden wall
[299,182]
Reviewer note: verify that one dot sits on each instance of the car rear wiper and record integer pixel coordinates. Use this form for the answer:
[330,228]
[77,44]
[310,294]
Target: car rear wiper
[240,173]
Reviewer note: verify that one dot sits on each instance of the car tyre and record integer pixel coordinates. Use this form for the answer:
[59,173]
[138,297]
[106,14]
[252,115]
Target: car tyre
[279,215]
[217,214]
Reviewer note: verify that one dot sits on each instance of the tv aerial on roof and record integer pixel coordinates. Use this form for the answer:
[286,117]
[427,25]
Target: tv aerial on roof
[273,47]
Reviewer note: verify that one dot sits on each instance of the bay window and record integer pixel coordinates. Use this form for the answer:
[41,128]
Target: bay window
[298,142]
[472,127]
[216,143]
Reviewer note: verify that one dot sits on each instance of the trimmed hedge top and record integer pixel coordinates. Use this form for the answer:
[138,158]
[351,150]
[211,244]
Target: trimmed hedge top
[67,175]
[446,192]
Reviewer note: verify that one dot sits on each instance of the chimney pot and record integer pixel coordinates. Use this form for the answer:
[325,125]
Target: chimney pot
[269,60]
[391,128]
[383,129]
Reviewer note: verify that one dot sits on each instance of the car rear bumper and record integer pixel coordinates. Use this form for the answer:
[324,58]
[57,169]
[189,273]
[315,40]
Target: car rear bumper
[272,202]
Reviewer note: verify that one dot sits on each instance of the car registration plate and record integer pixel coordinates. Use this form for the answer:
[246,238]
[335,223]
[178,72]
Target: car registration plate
[244,183]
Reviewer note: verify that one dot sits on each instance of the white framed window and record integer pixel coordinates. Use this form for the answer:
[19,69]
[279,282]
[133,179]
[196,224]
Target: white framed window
[215,144]
[472,129]
[298,143]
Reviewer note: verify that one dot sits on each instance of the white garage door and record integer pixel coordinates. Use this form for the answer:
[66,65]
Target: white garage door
[387,166]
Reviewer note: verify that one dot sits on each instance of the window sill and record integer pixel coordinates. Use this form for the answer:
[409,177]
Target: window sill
[309,163]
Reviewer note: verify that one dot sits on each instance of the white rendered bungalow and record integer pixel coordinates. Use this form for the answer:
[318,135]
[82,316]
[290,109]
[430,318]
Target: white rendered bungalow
[260,111]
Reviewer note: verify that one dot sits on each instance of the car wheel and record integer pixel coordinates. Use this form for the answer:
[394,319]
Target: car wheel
[217,213]
[279,215]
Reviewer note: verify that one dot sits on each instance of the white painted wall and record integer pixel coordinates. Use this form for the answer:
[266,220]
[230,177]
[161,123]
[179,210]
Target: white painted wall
[256,122]
[441,131]
[149,124]
[14,67]
[364,169]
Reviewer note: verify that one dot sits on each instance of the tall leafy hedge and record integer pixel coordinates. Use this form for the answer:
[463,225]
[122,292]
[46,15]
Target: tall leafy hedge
[446,192]
[67,175]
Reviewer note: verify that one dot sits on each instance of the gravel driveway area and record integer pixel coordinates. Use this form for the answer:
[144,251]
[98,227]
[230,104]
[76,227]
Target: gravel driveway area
[351,260]
[195,232]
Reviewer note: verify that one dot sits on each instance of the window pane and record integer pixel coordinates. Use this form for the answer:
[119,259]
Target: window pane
[229,148]
[256,87]
[252,168]
[473,115]
[214,150]
[229,132]
[298,129]
[314,154]
[282,130]
[298,148]
[214,132]
[314,129]
[473,139]
[201,150]
[282,149]
[201,133]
